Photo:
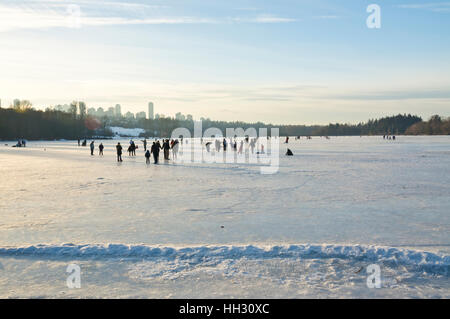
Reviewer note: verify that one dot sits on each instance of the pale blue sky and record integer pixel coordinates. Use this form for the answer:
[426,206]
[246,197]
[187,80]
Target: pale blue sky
[281,61]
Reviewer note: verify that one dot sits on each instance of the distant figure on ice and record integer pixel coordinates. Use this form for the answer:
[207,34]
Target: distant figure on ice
[84,143]
[253,144]
[145,144]
[393,137]
[217,144]
[19,144]
[92,146]
[100,149]
[147,157]
[175,146]
[78,142]
[287,140]
[119,152]
[224,145]
[155,151]
[133,148]
[289,153]
[166,148]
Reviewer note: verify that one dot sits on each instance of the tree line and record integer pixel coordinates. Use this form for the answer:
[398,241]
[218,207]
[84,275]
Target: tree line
[434,126]
[34,124]
[21,121]
[390,125]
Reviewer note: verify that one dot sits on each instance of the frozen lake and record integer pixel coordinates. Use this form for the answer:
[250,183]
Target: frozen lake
[225,230]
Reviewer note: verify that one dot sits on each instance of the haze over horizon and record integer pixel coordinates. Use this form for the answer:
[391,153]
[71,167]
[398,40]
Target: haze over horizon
[289,62]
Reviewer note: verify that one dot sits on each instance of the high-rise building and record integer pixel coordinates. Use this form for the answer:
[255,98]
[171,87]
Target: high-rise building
[118,110]
[129,115]
[140,115]
[151,110]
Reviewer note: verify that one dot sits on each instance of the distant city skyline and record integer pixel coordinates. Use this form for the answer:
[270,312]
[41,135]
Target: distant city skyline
[82,107]
[283,62]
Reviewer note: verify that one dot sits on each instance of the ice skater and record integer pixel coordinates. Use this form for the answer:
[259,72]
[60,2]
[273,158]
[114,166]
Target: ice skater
[119,152]
[175,147]
[156,147]
[166,148]
[145,144]
[92,146]
[100,149]
[241,147]
[147,157]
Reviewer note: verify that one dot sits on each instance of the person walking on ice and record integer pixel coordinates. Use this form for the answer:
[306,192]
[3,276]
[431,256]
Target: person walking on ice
[92,148]
[156,147]
[119,152]
[147,157]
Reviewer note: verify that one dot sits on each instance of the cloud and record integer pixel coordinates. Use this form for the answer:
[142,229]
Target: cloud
[327,17]
[435,7]
[395,95]
[267,18]
[61,14]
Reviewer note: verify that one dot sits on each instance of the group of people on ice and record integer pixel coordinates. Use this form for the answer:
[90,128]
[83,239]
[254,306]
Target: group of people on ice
[154,149]
[218,145]
[167,145]
[21,143]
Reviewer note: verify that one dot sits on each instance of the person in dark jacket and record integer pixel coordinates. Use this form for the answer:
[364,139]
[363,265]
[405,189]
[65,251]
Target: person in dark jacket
[100,149]
[92,146]
[156,147]
[147,157]
[166,148]
[119,152]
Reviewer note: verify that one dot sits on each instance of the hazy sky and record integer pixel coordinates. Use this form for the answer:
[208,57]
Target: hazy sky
[283,61]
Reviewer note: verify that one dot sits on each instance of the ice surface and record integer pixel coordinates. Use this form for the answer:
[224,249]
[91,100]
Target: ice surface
[232,232]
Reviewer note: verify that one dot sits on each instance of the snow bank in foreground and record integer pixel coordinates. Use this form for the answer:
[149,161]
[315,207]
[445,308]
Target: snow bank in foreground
[423,260]
[126,132]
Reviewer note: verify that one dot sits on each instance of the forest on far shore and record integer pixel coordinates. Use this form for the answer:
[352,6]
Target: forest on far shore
[28,123]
